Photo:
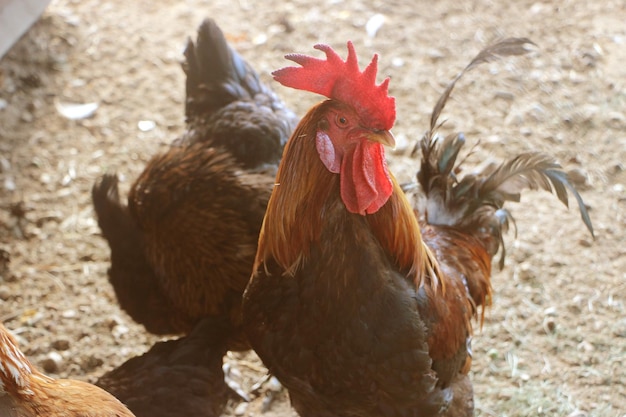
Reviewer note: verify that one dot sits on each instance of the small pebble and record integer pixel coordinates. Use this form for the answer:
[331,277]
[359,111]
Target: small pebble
[241,409]
[550,311]
[526,131]
[5,293]
[585,346]
[397,62]
[525,272]
[69,314]
[617,167]
[374,24]
[146,125]
[61,344]
[52,363]
[504,95]
[91,362]
[493,353]
[435,54]
[9,184]
[119,330]
[549,325]
[259,39]
[45,178]
[112,322]
[274,385]
[27,117]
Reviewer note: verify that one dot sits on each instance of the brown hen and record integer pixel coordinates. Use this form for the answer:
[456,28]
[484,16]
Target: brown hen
[184,247]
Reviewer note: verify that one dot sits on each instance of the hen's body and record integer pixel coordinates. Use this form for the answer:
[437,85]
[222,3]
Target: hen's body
[177,377]
[184,247]
[26,392]
[367,314]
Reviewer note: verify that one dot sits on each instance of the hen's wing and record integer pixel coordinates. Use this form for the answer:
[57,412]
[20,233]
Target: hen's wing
[200,214]
[177,377]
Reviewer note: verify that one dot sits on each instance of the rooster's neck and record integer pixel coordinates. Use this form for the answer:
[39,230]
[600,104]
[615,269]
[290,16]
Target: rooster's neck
[397,229]
[304,200]
[304,188]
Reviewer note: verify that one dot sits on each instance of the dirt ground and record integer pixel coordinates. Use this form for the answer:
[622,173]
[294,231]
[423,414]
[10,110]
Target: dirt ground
[554,343]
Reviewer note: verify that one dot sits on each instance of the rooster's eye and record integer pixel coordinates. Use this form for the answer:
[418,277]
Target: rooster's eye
[341,121]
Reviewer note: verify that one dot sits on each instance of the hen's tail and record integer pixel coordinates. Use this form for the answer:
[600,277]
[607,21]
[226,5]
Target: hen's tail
[132,278]
[474,204]
[227,101]
[216,74]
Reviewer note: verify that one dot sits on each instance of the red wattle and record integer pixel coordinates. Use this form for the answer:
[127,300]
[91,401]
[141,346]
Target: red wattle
[365,181]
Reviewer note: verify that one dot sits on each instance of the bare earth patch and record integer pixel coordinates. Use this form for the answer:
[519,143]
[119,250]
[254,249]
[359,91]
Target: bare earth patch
[553,344]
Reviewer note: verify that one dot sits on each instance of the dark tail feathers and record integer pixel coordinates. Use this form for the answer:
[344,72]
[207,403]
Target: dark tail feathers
[135,284]
[228,105]
[476,202]
[216,74]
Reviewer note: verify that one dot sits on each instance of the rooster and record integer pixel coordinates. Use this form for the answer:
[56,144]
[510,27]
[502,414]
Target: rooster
[26,392]
[355,307]
[176,377]
[184,246]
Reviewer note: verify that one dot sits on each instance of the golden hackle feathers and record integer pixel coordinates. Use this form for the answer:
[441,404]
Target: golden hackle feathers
[287,239]
[403,240]
[283,235]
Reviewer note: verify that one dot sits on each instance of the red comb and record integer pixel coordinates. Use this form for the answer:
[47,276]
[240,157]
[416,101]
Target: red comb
[342,81]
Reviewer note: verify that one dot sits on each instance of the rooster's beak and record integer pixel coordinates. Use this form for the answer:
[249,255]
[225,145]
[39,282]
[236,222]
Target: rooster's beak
[382,136]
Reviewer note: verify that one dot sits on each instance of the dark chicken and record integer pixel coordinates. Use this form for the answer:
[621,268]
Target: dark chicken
[177,377]
[355,307]
[183,248]
[26,392]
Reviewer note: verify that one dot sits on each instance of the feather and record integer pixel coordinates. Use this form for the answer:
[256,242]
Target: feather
[532,170]
[493,188]
[506,47]
[475,203]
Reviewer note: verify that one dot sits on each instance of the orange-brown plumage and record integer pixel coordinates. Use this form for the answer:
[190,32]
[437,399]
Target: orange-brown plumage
[26,392]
